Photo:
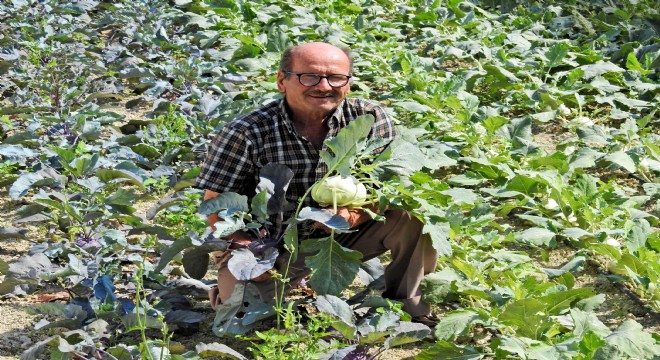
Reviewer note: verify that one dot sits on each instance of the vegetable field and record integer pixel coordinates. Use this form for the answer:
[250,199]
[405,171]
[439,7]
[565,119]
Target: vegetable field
[529,146]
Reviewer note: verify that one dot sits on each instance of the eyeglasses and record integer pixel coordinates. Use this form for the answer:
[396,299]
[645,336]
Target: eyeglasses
[308,79]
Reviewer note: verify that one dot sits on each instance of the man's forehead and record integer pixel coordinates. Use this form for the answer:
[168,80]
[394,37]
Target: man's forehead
[310,56]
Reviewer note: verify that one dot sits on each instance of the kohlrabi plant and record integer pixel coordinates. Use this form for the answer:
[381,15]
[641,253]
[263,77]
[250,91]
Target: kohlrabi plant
[340,190]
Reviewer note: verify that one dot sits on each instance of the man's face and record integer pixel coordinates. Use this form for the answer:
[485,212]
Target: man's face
[318,101]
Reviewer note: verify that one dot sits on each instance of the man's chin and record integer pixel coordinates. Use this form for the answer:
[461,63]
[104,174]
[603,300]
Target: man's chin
[327,102]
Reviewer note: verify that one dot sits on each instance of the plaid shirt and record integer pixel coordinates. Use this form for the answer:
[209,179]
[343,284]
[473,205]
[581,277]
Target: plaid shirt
[267,135]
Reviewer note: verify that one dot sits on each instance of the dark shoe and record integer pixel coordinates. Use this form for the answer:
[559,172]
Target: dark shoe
[428,320]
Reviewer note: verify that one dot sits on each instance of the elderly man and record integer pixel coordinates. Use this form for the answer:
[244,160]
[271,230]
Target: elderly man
[315,79]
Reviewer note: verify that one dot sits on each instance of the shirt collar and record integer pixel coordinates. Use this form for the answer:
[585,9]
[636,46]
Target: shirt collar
[284,116]
[337,120]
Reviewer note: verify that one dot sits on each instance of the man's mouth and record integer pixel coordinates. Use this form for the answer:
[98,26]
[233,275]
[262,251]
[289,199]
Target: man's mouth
[315,94]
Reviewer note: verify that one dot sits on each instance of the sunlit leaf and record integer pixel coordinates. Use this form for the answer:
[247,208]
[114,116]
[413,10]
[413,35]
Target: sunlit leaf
[333,266]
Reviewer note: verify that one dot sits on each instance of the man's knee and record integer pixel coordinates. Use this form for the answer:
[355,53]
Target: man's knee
[402,217]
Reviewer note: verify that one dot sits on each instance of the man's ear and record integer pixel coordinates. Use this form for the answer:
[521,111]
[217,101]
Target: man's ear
[280,82]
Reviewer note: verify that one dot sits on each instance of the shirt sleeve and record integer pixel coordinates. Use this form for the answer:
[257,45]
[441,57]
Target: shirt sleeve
[227,166]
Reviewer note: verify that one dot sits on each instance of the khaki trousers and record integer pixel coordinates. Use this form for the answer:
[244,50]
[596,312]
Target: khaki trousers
[412,253]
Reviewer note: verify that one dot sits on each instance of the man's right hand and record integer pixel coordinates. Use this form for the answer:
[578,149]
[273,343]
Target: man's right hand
[239,239]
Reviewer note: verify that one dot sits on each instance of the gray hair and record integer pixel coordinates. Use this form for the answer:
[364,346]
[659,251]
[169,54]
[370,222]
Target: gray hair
[286,61]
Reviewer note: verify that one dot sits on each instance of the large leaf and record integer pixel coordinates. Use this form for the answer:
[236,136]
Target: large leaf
[47,176]
[407,332]
[558,302]
[196,260]
[630,339]
[333,266]
[232,202]
[16,153]
[119,174]
[600,68]
[323,216]
[621,159]
[247,300]
[527,315]
[439,233]
[346,145]
[455,323]
[244,265]
[340,310]
[574,265]
[638,234]
[12,233]
[556,54]
[437,286]
[445,350]
[217,349]
[584,322]
[401,158]
[536,236]
[274,179]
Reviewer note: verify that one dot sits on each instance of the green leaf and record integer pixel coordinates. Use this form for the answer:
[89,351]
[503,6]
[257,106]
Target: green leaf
[626,263]
[584,158]
[607,250]
[633,64]
[623,160]
[259,206]
[401,158]
[230,201]
[631,340]
[600,68]
[556,303]
[515,346]
[339,309]
[333,266]
[195,261]
[444,350]
[638,234]
[437,286]
[574,265]
[278,39]
[527,315]
[107,175]
[524,184]
[461,196]
[407,332]
[556,54]
[346,145]
[439,233]
[536,236]
[495,122]
[590,343]
[455,323]
[585,322]
[217,350]
[413,106]
[517,130]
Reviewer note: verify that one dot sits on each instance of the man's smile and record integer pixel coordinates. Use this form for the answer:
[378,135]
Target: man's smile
[316,94]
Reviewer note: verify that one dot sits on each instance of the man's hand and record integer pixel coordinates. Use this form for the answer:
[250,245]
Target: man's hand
[353,216]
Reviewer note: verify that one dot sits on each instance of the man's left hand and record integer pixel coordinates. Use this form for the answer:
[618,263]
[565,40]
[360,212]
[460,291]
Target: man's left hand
[354,217]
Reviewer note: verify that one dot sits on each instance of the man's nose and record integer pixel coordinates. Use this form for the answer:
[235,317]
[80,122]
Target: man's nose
[324,84]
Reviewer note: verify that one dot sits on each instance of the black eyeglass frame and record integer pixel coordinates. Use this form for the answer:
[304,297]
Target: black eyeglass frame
[327,77]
